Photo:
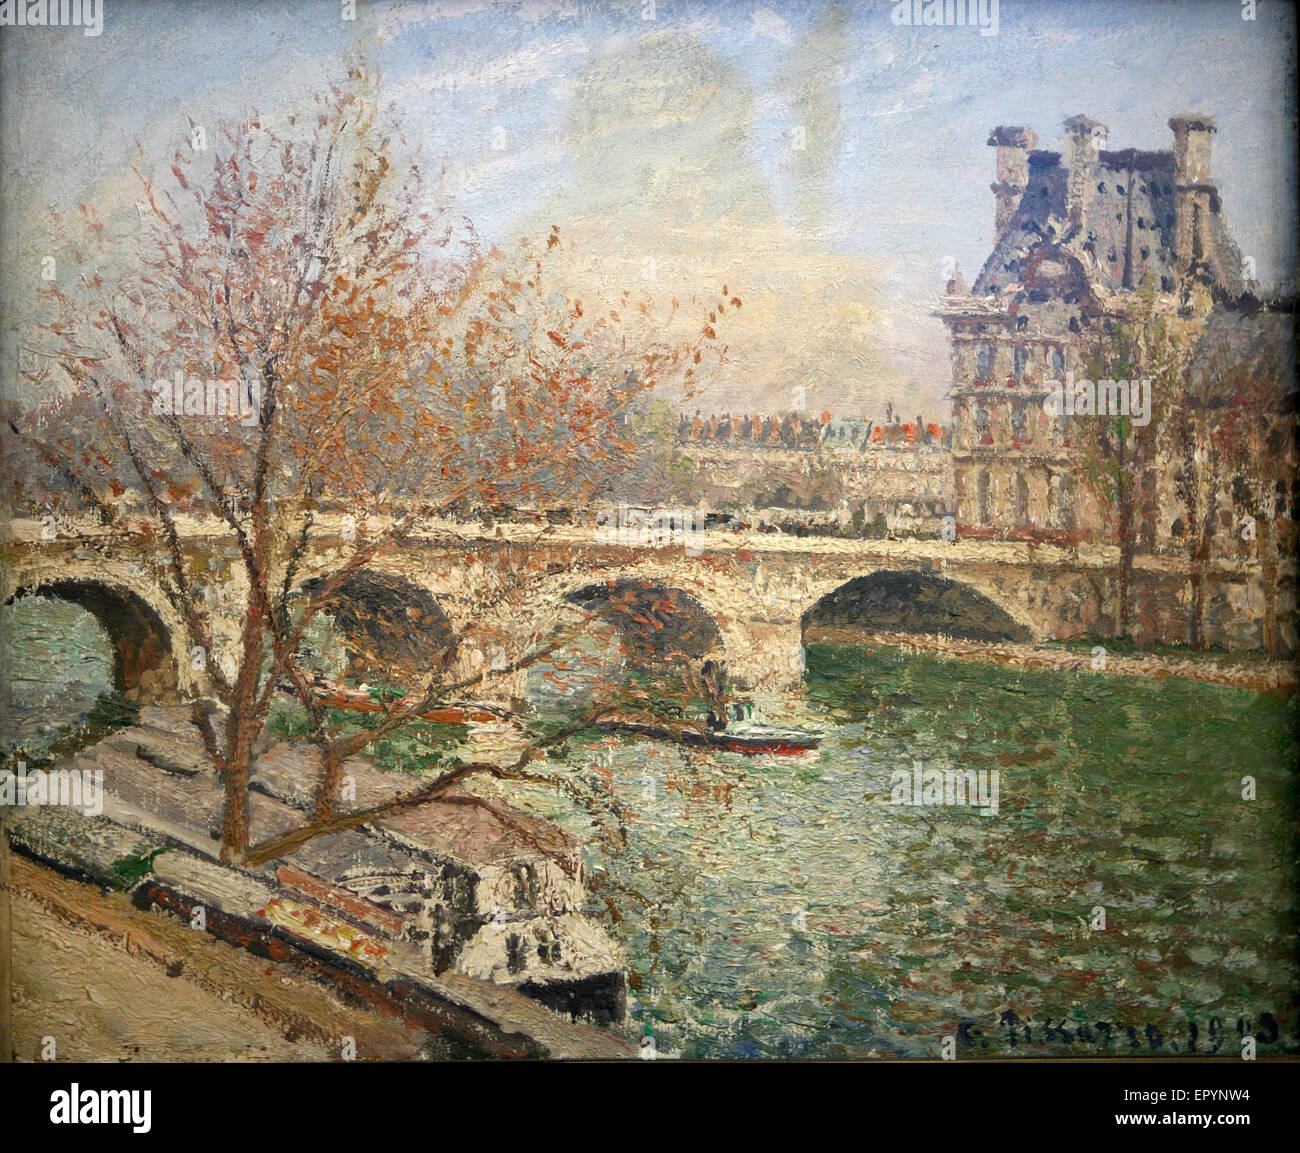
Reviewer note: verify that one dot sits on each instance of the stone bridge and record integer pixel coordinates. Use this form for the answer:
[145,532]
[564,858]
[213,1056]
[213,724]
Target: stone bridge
[472,596]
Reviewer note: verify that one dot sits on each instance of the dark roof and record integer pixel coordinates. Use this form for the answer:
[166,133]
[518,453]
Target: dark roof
[1128,229]
[1133,158]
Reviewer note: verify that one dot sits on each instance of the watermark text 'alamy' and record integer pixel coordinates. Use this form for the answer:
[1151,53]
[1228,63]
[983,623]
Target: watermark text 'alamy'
[88,15]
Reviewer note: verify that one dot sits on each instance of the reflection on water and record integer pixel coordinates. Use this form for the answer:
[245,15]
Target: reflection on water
[783,906]
[776,906]
[58,676]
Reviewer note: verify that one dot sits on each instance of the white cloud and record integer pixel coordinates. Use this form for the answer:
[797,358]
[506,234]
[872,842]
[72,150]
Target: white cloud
[538,63]
[392,21]
[768,23]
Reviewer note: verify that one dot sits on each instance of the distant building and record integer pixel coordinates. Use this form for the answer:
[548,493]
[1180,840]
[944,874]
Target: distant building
[846,432]
[839,473]
[830,432]
[1078,233]
[791,430]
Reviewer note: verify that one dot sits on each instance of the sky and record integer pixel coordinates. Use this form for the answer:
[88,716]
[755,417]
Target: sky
[824,162]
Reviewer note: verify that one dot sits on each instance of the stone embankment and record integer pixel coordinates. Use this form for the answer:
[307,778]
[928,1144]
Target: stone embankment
[1257,676]
[461,903]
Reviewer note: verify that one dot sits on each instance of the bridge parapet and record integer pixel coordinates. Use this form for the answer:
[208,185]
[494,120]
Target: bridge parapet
[502,586]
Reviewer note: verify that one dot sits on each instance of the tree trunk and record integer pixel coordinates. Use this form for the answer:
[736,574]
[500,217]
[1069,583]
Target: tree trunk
[1200,558]
[235,820]
[1198,606]
[330,785]
[1268,575]
[242,728]
[1125,532]
[1125,587]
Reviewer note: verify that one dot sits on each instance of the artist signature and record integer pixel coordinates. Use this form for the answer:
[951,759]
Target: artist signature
[1206,1037]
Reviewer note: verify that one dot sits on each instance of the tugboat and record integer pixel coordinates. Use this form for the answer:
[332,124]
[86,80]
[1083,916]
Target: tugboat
[750,739]
[729,727]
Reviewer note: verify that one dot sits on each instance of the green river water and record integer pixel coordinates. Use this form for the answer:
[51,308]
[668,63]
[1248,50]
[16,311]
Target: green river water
[783,906]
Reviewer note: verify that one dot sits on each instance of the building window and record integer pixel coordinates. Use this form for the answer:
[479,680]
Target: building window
[984,361]
[1019,423]
[982,497]
[1064,501]
[1058,362]
[1022,500]
[1021,358]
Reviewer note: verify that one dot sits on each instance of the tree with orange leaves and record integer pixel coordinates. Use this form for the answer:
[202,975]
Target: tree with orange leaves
[291,331]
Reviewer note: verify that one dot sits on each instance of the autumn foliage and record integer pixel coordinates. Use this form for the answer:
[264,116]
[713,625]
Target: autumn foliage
[386,362]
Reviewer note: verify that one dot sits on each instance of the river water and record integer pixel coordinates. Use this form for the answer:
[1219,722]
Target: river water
[56,677]
[1124,899]
[778,906]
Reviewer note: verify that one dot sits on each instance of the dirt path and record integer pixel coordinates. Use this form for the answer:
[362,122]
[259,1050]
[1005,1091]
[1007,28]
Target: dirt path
[110,982]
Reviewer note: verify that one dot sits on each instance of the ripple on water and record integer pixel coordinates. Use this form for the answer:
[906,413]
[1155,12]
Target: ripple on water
[59,667]
[806,915]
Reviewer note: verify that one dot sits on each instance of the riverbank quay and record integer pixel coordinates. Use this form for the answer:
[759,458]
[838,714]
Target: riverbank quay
[460,915]
[1215,669]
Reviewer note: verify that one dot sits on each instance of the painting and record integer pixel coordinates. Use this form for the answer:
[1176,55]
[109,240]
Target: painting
[647,530]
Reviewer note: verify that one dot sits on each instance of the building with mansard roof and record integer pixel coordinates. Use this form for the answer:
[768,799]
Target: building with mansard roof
[1079,233]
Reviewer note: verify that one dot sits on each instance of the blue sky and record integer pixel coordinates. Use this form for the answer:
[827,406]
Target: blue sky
[675,140]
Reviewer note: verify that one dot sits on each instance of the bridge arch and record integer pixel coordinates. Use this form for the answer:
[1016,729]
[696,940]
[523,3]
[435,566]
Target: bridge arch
[905,601]
[392,628]
[666,621]
[146,664]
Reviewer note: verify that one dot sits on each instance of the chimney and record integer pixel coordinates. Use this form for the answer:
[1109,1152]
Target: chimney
[1085,138]
[1014,145]
[1192,148]
[1193,191]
